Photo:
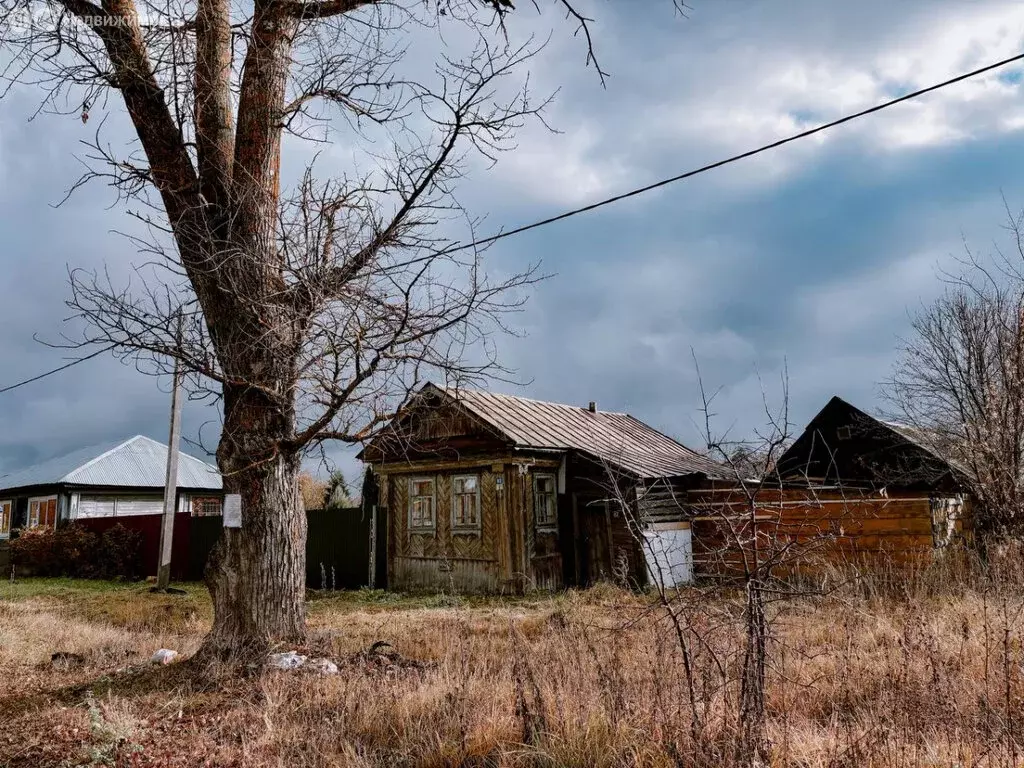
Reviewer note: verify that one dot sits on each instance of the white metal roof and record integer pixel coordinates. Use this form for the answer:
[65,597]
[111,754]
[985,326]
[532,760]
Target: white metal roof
[617,438]
[138,462]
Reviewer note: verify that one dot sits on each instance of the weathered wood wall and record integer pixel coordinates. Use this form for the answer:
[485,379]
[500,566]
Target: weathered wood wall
[804,530]
[536,554]
[507,554]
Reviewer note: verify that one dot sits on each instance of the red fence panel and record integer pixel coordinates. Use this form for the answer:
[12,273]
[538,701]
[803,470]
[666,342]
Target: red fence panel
[149,528]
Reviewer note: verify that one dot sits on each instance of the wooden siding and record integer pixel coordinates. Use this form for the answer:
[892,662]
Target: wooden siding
[540,558]
[507,554]
[826,528]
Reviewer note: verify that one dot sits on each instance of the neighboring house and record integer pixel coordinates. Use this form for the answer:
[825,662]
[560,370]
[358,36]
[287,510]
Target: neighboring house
[887,490]
[104,485]
[490,492]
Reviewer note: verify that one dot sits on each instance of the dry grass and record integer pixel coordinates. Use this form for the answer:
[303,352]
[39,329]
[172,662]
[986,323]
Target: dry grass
[915,676]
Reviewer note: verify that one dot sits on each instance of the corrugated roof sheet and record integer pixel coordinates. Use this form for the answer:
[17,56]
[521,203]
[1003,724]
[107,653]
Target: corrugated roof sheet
[138,462]
[617,438]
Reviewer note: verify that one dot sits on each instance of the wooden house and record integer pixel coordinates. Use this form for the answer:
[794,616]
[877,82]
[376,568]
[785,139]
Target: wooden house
[485,492]
[103,485]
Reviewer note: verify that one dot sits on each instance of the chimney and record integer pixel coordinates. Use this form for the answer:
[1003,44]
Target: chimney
[592,407]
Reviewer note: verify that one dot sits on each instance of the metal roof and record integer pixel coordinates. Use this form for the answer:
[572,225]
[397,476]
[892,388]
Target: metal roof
[617,438]
[138,462]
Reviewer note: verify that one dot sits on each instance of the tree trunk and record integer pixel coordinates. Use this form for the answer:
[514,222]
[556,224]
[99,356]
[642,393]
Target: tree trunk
[753,741]
[257,573]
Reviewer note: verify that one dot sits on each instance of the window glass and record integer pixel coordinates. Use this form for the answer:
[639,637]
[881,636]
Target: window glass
[206,506]
[544,502]
[466,502]
[42,511]
[6,508]
[421,503]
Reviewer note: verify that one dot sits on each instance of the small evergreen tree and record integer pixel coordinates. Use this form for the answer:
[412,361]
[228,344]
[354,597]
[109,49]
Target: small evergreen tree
[337,494]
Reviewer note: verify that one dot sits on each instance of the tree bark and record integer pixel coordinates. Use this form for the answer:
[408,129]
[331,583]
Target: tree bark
[753,741]
[256,574]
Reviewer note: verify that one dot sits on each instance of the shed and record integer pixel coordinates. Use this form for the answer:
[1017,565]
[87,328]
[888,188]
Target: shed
[864,489]
[493,492]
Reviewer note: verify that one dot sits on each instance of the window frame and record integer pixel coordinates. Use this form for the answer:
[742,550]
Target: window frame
[473,528]
[198,503]
[8,518]
[40,499]
[552,526]
[433,504]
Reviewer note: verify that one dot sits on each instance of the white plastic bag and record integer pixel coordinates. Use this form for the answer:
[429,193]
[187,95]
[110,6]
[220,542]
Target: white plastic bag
[164,656]
[323,666]
[287,660]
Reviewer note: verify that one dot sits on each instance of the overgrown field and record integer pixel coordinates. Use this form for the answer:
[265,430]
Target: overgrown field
[924,675]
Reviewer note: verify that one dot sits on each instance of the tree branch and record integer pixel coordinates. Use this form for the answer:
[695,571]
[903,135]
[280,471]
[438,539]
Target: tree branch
[215,142]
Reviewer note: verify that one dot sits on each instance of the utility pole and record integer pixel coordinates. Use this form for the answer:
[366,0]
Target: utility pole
[163,574]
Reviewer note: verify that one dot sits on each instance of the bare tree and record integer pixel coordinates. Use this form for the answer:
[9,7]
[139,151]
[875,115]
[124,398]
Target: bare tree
[311,309]
[751,548]
[959,382]
[757,541]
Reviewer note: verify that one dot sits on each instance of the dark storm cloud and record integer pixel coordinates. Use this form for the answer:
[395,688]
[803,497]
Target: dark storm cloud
[811,255]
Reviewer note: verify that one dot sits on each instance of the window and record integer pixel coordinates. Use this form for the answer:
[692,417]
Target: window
[42,511]
[545,509]
[843,433]
[6,509]
[421,504]
[207,506]
[466,503]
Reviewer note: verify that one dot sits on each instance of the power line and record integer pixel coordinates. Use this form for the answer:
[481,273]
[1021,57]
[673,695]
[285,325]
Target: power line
[57,370]
[736,158]
[649,187]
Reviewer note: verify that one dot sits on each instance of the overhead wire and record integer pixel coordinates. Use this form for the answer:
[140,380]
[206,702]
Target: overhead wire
[648,187]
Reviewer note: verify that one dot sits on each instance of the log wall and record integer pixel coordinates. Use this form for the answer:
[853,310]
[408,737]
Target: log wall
[802,530]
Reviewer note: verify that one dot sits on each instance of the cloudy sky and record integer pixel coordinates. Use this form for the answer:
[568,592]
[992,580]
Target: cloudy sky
[813,255]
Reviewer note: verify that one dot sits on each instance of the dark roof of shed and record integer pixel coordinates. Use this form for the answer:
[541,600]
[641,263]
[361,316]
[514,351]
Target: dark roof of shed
[616,438]
[139,462]
[918,438]
[927,440]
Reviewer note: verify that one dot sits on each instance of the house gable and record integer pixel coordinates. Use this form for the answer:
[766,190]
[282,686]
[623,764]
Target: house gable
[434,427]
[843,445]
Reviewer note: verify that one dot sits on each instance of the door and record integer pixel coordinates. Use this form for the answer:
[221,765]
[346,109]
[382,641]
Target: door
[668,550]
[595,564]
